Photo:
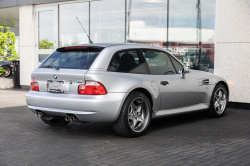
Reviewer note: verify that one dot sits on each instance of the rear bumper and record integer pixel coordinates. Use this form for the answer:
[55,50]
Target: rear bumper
[87,108]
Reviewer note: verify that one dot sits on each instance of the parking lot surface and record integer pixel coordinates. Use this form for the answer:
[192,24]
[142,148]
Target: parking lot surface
[189,139]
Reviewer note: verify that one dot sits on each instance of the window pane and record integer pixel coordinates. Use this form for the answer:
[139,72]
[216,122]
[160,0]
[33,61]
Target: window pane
[129,61]
[45,30]
[159,62]
[191,33]
[147,22]
[208,34]
[42,57]
[70,30]
[177,65]
[70,59]
[107,21]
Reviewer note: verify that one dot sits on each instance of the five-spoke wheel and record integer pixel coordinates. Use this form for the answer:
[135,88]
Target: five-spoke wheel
[135,116]
[218,102]
[138,114]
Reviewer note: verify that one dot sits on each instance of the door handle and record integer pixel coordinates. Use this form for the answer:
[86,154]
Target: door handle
[164,83]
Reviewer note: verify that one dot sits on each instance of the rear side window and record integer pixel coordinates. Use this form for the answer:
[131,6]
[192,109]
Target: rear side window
[128,61]
[159,62]
[70,59]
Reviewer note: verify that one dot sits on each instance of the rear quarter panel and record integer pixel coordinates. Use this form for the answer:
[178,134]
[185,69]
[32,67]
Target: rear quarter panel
[116,82]
[122,82]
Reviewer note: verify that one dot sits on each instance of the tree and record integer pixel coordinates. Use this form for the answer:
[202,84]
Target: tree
[7,44]
[45,44]
[2,72]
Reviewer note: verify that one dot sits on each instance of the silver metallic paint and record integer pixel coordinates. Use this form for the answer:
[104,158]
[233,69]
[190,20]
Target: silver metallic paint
[179,92]
[87,108]
[180,95]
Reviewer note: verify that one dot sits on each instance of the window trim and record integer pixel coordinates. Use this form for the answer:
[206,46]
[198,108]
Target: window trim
[164,52]
[88,66]
[167,55]
[131,49]
[173,65]
[176,61]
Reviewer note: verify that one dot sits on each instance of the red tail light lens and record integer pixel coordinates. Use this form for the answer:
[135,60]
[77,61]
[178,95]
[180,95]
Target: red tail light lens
[34,85]
[92,88]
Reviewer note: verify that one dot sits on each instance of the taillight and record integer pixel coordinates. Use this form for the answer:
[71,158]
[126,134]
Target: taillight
[34,85]
[92,88]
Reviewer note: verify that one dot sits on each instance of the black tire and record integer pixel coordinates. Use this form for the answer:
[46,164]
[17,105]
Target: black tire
[56,121]
[8,71]
[212,111]
[122,126]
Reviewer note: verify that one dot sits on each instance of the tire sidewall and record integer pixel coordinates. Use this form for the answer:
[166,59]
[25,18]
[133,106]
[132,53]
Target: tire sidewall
[130,98]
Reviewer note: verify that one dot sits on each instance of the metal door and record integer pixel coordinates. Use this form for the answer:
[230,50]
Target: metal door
[176,91]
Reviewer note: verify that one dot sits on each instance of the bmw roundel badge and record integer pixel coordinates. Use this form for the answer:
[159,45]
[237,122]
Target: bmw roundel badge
[55,77]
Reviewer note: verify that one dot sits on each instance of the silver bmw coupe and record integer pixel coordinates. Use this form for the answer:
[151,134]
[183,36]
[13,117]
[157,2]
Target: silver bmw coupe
[124,84]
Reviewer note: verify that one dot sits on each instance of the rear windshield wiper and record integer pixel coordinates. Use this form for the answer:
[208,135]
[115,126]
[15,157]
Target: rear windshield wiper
[57,68]
[49,66]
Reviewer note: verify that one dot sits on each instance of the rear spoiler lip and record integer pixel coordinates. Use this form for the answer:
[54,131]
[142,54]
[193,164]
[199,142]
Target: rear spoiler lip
[81,48]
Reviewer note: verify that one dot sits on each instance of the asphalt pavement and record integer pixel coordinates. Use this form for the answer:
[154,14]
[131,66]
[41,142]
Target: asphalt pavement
[188,139]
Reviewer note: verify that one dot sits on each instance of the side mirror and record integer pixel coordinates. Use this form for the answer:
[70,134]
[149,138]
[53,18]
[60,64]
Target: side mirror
[182,72]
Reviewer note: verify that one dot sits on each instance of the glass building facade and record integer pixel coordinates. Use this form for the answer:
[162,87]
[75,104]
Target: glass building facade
[185,28]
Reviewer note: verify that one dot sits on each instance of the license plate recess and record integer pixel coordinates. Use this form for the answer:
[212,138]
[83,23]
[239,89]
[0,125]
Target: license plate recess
[55,86]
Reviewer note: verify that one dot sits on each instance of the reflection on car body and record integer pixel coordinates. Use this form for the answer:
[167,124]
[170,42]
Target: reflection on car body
[124,84]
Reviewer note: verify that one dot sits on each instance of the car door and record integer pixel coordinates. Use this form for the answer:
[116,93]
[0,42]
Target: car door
[174,91]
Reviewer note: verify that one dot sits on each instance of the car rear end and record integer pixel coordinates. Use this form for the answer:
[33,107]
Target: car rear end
[59,87]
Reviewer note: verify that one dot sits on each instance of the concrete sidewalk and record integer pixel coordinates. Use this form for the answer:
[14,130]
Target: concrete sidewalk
[12,98]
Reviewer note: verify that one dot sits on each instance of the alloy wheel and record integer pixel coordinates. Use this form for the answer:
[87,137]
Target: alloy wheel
[220,100]
[138,114]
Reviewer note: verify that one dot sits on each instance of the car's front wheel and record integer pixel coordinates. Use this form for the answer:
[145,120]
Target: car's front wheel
[135,116]
[218,103]
[55,121]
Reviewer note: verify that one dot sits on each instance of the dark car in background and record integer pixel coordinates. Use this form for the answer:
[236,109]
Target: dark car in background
[6,65]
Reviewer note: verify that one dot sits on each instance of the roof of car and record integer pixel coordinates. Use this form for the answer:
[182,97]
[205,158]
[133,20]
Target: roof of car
[106,44]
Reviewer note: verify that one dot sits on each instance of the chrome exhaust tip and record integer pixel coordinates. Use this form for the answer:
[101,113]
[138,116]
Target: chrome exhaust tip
[40,114]
[72,118]
[67,118]
[36,114]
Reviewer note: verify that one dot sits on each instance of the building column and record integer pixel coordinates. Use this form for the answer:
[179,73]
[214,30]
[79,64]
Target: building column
[232,47]
[27,46]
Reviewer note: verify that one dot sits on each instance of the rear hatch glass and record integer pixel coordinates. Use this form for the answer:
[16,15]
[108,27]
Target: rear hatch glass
[71,58]
[64,70]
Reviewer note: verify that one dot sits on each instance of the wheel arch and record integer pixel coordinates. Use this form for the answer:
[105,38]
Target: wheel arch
[147,93]
[138,89]
[226,86]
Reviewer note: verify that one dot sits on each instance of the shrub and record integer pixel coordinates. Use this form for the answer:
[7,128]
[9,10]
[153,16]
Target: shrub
[2,71]
[7,44]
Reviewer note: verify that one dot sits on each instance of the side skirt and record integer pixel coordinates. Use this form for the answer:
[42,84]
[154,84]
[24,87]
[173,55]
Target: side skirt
[172,111]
